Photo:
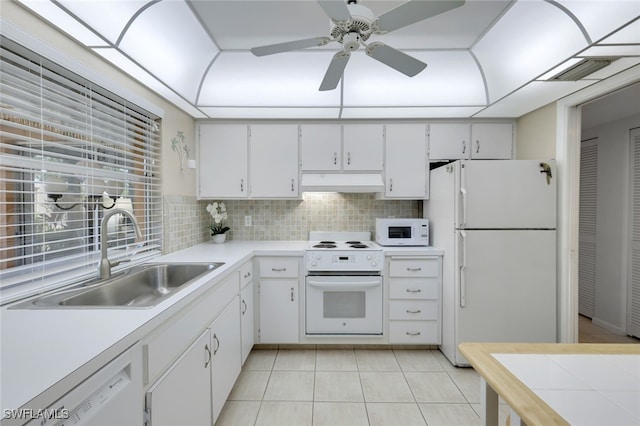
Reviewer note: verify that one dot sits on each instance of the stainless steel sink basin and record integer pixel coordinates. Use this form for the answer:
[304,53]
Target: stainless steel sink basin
[139,287]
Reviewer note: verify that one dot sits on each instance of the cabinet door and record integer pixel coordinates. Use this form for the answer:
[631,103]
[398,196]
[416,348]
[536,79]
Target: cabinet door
[222,156]
[226,353]
[449,141]
[492,141]
[274,161]
[362,147]
[406,163]
[183,395]
[246,320]
[321,147]
[279,311]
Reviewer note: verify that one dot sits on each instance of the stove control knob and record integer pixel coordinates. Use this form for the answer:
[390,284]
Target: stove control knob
[369,257]
[314,263]
[374,263]
[318,257]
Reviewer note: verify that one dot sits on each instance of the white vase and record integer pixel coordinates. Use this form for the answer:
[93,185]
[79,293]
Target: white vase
[219,238]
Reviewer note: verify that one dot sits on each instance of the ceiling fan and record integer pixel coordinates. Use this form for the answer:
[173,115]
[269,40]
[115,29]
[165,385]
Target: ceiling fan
[352,25]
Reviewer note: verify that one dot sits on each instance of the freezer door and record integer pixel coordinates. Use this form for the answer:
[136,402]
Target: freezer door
[512,194]
[506,286]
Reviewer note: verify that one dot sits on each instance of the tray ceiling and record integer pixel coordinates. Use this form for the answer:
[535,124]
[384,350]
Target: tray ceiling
[485,58]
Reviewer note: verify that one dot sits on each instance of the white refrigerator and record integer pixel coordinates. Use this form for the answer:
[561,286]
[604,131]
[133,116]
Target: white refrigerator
[495,221]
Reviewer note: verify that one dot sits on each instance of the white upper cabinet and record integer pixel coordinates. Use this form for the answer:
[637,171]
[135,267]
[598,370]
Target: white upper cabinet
[362,147]
[321,147]
[492,141]
[455,141]
[406,162]
[449,141]
[274,161]
[222,161]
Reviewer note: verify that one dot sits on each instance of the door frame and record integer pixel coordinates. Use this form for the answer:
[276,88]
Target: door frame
[568,130]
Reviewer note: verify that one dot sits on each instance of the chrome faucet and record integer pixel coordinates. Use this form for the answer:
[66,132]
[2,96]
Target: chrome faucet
[104,266]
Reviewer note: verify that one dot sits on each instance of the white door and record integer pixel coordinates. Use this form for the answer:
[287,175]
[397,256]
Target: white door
[274,161]
[516,194]
[406,162]
[226,354]
[362,147]
[321,146]
[222,161]
[587,227]
[491,141]
[449,141]
[183,395]
[633,315]
[507,286]
[246,319]
[279,311]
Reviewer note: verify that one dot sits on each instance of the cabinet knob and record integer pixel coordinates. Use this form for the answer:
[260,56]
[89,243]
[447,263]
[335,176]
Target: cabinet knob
[292,185]
[464,146]
[241,185]
[348,158]
[335,158]
[390,184]
[477,146]
[292,294]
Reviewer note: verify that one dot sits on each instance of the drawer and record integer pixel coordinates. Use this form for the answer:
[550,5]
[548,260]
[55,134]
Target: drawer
[279,267]
[415,332]
[168,342]
[413,310]
[246,274]
[414,288]
[414,268]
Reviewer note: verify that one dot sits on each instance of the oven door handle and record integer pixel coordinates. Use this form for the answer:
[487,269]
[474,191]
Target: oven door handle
[346,286]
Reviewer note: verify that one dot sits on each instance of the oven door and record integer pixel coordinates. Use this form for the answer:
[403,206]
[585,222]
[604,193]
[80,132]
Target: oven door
[343,305]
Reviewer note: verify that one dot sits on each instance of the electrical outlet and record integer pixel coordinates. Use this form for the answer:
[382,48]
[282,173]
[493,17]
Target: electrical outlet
[247,221]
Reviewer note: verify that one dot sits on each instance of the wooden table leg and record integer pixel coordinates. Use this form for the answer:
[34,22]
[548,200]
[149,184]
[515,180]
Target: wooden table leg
[488,404]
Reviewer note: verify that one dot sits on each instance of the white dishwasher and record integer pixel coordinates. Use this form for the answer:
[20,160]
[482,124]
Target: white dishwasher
[111,396]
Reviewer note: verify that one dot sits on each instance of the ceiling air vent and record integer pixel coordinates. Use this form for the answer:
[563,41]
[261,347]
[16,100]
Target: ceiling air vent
[581,69]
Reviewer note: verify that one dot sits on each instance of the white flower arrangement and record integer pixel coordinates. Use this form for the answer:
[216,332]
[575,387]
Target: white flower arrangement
[218,212]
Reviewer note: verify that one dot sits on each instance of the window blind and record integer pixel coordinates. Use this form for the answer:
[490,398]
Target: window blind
[69,151]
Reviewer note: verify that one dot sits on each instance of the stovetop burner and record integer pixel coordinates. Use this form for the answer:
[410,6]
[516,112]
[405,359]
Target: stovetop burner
[357,245]
[327,242]
[353,242]
[324,245]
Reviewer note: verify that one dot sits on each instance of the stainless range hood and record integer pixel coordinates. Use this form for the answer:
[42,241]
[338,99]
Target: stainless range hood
[342,182]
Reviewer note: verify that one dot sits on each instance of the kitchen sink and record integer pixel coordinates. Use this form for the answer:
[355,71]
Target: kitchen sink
[142,286]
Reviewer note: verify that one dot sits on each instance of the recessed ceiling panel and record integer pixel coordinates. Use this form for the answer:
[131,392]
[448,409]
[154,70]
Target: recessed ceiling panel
[450,79]
[108,17]
[601,17]
[531,97]
[608,51]
[64,22]
[519,48]
[627,35]
[167,40]
[292,79]
[135,71]
[409,112]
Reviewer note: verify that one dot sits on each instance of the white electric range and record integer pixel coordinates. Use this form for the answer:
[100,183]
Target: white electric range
[343,284]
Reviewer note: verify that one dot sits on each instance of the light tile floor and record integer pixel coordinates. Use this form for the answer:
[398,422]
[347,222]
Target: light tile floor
[290,387]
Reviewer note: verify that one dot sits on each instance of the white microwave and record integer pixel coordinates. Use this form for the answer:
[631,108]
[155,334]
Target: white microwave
[402,232]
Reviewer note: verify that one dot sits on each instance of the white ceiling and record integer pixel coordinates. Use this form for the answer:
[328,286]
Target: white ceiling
[485,58]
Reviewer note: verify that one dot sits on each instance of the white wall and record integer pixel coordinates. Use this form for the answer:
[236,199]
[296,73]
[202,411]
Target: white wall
[174,119]
[536,134]
[612,220]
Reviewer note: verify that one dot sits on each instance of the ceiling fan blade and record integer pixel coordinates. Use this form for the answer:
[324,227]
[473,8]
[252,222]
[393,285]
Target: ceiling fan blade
[413,11]
[335,71]
[289,46]
[394,58]
[335,9]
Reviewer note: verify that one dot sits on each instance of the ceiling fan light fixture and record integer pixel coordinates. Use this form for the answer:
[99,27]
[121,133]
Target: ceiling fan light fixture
[351,41]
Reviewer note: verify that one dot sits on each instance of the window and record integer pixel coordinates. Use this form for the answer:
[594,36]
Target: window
[69,151]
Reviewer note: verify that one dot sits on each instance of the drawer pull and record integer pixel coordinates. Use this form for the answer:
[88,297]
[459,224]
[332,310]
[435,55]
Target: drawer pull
[244,307]
[409,311]
[278,269]
[206,363]
[215,351]
[415,333]
[413,291]
[292,294]
[247,275]
[414,269]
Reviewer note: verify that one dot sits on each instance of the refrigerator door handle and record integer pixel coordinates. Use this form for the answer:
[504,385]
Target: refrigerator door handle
[463,268]
[463,192]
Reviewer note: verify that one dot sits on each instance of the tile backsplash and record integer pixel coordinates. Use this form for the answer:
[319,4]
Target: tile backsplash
[186,220]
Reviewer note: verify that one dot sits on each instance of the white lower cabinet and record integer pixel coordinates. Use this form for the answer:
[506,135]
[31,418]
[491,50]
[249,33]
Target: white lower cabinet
[279,301]
[415,289]
[247,309]
[182,396]
[226,354]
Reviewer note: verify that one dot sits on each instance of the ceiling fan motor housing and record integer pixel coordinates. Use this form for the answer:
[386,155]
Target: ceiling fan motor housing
[360,24]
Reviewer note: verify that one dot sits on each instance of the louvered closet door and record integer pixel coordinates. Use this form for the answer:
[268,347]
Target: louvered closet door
[587,230]
[633,314]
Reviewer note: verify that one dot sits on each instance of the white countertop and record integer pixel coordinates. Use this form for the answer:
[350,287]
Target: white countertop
[45,348]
